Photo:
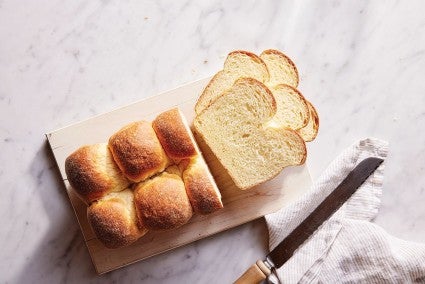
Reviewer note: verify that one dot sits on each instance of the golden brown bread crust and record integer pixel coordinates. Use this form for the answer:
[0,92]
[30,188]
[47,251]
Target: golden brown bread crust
[173,134]
[92,172]
[304,150]
[201,189]
[137,151]
[203,95]
[255,57]
[161,202]
[314,118]
[114,221]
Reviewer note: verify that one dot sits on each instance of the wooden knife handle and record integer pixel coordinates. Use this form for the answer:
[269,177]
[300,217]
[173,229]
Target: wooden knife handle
[255,274]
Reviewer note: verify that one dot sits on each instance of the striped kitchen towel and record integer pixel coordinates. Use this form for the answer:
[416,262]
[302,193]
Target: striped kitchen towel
[348,248]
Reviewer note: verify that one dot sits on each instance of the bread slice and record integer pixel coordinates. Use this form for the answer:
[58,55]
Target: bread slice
[309,132]
[238,128]
[281,68]
[292,109]
[238,64]
[92,172]
[114,221]
[272,68]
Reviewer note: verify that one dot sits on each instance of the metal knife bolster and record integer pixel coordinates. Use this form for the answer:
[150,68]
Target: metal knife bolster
[269,263]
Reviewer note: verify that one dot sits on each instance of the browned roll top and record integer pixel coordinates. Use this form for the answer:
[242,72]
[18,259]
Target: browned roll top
[162,203]
[114,221]
[137,151]
[174,135]
[92,172]
[200,187]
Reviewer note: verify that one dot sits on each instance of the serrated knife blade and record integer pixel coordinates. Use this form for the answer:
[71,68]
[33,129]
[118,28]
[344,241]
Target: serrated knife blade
[285,249]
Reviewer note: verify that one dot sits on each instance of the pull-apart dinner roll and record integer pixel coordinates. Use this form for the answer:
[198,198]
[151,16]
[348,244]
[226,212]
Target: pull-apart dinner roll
[114,221]
[92,172]
[175,135]
[200,186]
[162,203]
[137,151]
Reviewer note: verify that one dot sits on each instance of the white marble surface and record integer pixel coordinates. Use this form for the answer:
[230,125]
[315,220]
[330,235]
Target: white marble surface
[361,64]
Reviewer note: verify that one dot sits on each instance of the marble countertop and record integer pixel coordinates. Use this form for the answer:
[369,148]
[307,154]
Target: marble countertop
[361,64]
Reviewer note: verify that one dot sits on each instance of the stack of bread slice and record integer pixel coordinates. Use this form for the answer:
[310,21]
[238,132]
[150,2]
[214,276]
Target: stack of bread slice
[149,176]
[253,117]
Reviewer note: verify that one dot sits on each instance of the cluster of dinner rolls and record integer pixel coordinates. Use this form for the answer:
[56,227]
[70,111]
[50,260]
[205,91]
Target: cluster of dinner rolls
[149,176]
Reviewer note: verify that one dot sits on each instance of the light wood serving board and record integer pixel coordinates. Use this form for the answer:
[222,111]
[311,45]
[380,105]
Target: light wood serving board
[239,206]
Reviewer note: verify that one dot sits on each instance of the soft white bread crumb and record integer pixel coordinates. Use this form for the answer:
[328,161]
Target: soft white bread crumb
[237,127]
[281,68]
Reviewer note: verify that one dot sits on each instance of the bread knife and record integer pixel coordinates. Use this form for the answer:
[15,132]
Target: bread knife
[285,249]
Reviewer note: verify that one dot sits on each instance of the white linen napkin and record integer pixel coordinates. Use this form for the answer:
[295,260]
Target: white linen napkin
[347,248]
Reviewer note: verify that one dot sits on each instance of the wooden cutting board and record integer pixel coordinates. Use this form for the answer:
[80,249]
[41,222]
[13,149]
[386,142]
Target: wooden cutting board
[239,206]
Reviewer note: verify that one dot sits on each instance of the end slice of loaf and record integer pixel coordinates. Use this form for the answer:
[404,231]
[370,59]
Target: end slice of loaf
[175,135]
[201,189]
[237,127]
[178,142]
[309,132]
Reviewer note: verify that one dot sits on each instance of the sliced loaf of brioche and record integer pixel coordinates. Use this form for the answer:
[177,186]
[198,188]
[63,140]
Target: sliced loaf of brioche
[309,132]
[281,68]
[150,176]
[238,128]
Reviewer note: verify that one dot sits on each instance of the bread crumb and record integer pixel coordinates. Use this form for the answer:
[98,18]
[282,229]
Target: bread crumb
[205,61]
[146,18]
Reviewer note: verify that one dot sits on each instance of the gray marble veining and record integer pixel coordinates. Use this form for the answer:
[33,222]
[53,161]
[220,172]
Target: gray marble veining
[361,64]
